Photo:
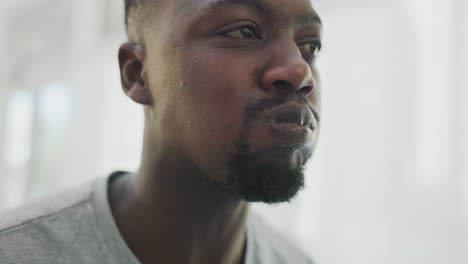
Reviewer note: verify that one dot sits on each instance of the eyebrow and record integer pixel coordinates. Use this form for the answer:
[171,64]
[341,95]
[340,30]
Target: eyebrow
[309,18]
[263,7]
[259,5]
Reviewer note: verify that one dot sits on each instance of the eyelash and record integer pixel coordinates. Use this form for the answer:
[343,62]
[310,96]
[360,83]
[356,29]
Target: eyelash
[255,31]
[258,36]
[317,47]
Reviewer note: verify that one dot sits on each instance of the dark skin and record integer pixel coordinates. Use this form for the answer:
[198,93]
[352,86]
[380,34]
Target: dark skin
[195,73]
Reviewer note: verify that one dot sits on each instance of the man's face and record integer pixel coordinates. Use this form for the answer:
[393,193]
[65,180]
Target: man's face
[236,92]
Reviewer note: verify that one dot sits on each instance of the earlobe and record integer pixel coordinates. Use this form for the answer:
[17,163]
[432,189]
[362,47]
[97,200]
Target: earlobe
[131,59]
[139,94]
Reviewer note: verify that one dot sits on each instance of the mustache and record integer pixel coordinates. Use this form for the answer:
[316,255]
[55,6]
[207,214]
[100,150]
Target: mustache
[312,109]
[255,109]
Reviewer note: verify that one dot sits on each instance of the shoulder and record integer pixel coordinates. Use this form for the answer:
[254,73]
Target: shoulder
[43,208]
[270,246]
[44,229]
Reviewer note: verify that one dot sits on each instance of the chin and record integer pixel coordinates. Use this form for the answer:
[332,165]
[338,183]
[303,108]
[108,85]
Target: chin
[271,185]
[271,176]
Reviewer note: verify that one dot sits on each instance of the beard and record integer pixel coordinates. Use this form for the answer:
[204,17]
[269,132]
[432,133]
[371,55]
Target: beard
[271,176]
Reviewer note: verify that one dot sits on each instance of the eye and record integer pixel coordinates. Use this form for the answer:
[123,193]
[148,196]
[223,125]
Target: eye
[247,32]
[310,49]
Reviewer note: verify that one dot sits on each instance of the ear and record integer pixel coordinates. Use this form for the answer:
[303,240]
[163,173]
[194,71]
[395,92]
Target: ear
[131,61]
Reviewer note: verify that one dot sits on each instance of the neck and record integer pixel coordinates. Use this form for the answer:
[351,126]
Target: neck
[167,214]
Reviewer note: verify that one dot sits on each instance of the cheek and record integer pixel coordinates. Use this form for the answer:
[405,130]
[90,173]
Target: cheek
[315,97]
[216,90]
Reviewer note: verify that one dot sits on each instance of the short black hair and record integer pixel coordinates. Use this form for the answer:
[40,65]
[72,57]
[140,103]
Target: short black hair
[129,4]
[135,11]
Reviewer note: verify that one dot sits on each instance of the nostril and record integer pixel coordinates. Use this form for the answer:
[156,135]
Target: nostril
[288,86]
[281,84]
[304,91]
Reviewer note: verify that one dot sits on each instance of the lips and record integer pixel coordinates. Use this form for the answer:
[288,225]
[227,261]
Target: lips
[293,115]
[293,123]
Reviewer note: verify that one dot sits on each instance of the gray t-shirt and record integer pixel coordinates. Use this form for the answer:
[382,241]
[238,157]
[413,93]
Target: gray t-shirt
[77,227]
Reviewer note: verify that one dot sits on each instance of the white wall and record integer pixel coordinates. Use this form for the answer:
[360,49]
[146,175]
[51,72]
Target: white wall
[392,162]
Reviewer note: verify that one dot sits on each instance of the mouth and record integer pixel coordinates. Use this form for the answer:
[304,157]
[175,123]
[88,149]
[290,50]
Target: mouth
[293,116]
[293,123]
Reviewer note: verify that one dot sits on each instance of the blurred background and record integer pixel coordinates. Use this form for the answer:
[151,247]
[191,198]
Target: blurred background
[388,183]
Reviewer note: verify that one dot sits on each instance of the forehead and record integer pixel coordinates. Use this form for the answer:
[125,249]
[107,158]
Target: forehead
[298,9]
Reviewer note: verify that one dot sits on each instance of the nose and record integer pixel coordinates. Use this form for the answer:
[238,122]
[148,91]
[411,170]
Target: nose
[288,70]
